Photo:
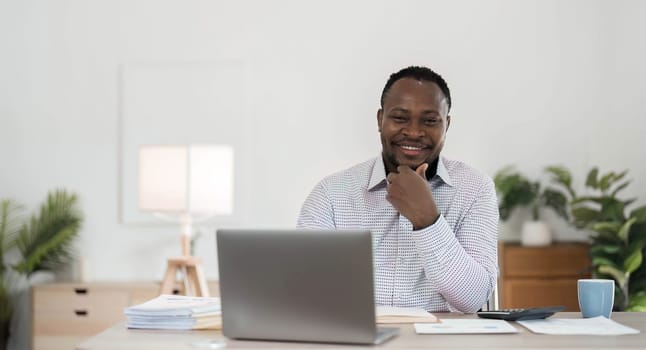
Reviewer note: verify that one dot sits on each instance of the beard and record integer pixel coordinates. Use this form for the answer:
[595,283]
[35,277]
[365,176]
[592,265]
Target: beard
[390,158]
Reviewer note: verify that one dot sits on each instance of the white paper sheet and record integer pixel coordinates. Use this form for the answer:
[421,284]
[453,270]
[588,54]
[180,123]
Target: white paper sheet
[465,326]
[400,311]
[578,326]
[393,314]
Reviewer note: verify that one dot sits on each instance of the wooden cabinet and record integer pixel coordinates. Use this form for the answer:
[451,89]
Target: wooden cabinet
[65,314]
[541,276]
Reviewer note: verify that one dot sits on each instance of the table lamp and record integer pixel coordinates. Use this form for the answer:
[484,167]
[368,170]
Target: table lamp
[186,183]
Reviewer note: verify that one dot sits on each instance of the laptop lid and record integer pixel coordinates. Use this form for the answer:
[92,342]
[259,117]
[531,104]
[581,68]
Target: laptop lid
[297,285]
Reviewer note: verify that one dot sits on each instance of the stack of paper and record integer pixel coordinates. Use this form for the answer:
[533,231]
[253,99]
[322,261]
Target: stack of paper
[393,314]
[176,312]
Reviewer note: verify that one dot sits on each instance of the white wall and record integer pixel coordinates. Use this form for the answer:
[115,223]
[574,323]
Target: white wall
[533,82]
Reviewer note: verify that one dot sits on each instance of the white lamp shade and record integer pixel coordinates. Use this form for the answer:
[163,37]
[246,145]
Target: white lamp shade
[186,179]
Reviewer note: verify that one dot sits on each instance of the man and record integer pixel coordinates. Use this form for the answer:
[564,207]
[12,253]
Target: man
[434,221]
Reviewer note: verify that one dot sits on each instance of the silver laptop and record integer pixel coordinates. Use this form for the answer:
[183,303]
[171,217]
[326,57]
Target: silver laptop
[298,285]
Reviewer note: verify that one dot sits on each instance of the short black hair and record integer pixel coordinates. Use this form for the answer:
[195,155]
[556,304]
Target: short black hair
[420,74]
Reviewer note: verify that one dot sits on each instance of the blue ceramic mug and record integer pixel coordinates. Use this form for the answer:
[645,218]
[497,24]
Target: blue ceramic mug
[596,297]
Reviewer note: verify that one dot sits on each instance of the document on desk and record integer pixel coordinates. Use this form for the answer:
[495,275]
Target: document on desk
[578,326]
[393,314]
[465,326]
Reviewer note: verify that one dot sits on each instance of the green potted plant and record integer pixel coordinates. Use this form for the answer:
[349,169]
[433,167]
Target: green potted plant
[516,190]
[619,235]
[43,242]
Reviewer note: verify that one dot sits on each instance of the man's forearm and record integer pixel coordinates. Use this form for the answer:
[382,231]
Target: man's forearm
[465,281]
[463,265]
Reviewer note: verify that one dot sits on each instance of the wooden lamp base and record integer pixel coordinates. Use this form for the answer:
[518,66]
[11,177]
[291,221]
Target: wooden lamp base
[192,274]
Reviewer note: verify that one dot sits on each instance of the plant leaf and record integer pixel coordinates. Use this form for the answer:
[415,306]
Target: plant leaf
[591,179]
[556,200]
[10,215]
[602,261]
[562,176]
[639,214]
[638,299]
[636,308]
[625,228]
[618,177]
[45,240]
[606,181]
[637,241]
[505,212]
[607,238]
[6,308]
[609,227]
[619,276]
[605,248]
[619,188]
[637,302]
[628,202]
[514,189]
[36,260]
[633,261]
[612,210]
[584,215]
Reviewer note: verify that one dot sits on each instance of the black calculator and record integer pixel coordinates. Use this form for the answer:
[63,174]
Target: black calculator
[521,314]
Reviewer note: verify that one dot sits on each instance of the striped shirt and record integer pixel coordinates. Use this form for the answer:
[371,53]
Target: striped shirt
[448,266]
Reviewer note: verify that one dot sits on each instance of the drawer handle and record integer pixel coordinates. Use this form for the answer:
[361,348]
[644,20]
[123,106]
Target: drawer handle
[80,312]
[80,290]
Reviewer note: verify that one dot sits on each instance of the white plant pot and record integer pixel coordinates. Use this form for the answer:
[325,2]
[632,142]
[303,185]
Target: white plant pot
[535,234]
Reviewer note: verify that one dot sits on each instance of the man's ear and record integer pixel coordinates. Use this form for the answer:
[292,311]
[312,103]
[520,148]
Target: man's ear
[448,122]
[380,116]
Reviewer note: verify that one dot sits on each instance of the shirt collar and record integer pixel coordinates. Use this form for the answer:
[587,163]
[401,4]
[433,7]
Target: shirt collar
[378,175]
[443,173]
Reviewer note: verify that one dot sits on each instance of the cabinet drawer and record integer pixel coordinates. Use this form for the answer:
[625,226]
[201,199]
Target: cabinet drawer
[65,314]
[521,293]
[569,260]
[62,311]
[58,300]
[87,321]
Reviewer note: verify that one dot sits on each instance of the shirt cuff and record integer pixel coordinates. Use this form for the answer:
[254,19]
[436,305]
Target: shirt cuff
[438,238]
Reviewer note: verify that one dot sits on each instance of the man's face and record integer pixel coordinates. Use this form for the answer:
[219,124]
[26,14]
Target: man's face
[412,123]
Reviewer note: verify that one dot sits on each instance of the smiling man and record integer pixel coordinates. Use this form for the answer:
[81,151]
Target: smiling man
[434,221]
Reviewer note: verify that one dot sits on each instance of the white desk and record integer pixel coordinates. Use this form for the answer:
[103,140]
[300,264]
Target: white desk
[120,338]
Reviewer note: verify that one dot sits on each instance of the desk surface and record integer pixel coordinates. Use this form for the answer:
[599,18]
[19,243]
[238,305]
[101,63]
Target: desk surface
[120,338]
